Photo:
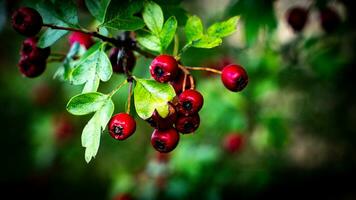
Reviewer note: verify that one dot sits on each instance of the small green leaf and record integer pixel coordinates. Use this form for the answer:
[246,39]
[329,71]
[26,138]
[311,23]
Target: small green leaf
[49,37]
[207,42]
[97,8]
[168,31]
[64,72]
[194,28]
[225,28]
[153,16]
[86,103]
[91,85]
[149,41]
[150,95]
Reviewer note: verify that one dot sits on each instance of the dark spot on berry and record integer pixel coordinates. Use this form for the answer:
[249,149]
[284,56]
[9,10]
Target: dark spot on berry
[187,105]
[118,130]
[19,19]
[241,83]
[27,48]
[160,145]
[158,71]
[188,126]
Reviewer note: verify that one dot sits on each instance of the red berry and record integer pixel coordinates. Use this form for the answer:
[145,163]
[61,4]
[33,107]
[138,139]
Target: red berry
[330,20]
[29,48]
[234,77]
[165,141]
[164,68]
[158,122]
[177,83]
[83,39]
[190,102]
[233,142]
[31,68]
[187,124]
[122,126]
[119,57]
[297,17]
[27,21]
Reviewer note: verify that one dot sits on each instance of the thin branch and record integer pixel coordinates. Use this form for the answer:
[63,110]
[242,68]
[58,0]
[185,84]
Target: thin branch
[144,53]
[129,98]
[204,69]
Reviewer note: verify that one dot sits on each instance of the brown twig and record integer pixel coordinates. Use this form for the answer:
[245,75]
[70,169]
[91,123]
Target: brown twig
[204,69]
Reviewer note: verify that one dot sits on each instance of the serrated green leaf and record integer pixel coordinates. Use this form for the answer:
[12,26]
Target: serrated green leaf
[150,95]
[194,28]
[149,41]
[207,42]
[225,28]
[168,31]
[97,8]
[153,17]
[86,103]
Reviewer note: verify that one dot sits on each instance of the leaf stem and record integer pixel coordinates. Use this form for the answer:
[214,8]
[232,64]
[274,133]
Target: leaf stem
[117,88]
[204,69]
[187,46]
[129,97]
[176,45]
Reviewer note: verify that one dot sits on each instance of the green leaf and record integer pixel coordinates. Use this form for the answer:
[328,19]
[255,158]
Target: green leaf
[91,84]
[149,95]
[127,23]
[168,31]
[86,103]
[194,28]
[93,129]
[49,37]
[207,42]
[64,72]
[153,16]
[97,8]
[225,28]
[149,41]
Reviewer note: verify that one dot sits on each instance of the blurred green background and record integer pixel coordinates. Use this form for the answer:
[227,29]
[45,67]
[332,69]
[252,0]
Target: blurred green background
[297,117]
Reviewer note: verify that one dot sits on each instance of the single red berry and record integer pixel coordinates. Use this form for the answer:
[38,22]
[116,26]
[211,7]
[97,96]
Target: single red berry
[31,68]
[123,196]
[29,48]
[27,21]
[234,77]
[233,142]
[119,57]
[178,81]
[164,68]
[330,20]
[187,124]
[158,122]
[122,126]
[82,38]
[297,17]
[190,102]
[165,141]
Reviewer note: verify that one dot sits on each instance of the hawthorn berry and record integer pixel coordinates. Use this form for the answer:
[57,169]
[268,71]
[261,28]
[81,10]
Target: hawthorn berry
[165,141]
[122,126]
[297,17]
[160,123]
[31,68]
[233,142]
[164,68]
[26,21]
[330,19]
[177,82]
[190,102]
[29,48]
[187,124]
[120,57]
[234,77]
[82,38]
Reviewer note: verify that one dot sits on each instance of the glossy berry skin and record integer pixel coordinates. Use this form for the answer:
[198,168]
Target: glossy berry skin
[119,57]
[122,126]
[187,124]
[164,68]
[234,77]
[177,82]
[83,39]
[233,142]
[297,17]
[190,102]
[29,48]
[330,20]
[156,121]
[31,68]
[27,21]
[165,141]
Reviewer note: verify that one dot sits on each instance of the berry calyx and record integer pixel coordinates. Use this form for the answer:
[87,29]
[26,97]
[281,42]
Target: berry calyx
[234,77]
[165,141]
[233,142]
[122,126]
[31,68]
[178,81]
[82,38]
[190,102]
[297,17]
[120,58]
[26,21]
[29,48]
[164,68]
[156,121]
[330,19]
[187,124]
